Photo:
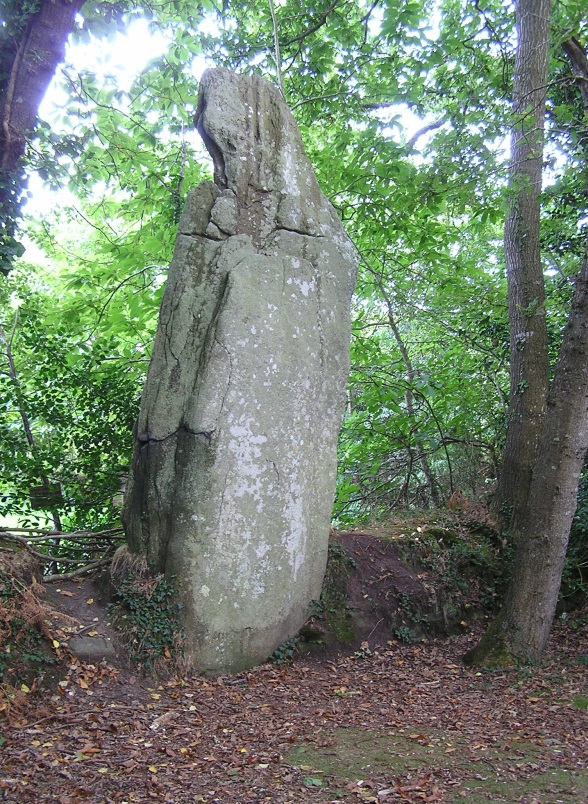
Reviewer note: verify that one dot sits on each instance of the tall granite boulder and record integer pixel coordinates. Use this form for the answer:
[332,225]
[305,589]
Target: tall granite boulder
[233,474]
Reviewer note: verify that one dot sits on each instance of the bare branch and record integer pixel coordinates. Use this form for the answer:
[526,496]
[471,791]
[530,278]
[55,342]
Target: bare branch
[66,576]
[421,133]
[277,56]
[313,28]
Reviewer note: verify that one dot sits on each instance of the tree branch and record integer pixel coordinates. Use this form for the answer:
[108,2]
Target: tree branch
[421,133]
[313,28]
[66,576]
[277,56]
[577,56]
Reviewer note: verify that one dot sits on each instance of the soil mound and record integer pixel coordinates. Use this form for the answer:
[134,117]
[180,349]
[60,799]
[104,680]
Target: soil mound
[384,595]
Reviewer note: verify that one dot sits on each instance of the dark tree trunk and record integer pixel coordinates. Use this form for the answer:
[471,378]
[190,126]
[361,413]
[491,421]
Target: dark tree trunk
[31,47]
[522,627]
[528,334]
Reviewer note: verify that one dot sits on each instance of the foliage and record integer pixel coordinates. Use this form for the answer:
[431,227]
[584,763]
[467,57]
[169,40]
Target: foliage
[397,415]
[473,570]
[78,394]
[411,101]
[146,612]
[405,634]
[23,647]
[10,247]
[285,652]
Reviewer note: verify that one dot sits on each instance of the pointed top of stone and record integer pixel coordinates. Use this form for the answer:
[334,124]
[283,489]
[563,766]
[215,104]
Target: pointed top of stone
[258,155]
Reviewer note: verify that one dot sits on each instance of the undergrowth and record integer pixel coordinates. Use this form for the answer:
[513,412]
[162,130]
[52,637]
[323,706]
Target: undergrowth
[25,642]
[285,652]
[146,612]
[333,605]
[574,585]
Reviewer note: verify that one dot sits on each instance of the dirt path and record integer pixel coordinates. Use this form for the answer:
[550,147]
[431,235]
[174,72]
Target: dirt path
[403,723]
[86,628]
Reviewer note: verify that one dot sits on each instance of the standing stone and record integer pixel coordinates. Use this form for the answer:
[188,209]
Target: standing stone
[233,474]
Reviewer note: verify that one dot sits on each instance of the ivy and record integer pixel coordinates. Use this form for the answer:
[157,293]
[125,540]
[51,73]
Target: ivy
[147,614]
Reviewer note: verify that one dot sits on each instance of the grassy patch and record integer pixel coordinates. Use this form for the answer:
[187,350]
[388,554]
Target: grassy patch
[507,772]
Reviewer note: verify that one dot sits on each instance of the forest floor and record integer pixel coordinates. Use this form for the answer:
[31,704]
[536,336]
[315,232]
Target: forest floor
[385,721]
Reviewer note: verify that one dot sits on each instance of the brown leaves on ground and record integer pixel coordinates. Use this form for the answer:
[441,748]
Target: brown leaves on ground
[403,723]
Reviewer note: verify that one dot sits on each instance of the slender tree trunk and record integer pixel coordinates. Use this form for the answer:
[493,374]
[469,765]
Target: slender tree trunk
[528,334]
[432,485]
[523,625]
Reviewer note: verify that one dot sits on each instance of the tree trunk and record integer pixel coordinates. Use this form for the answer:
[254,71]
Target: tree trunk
[32,45]
[522,628]
[528,334]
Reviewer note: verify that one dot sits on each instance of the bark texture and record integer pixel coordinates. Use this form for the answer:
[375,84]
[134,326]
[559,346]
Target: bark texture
[522,628]
[524,623]
[526,296]
[32,45]
[234,465]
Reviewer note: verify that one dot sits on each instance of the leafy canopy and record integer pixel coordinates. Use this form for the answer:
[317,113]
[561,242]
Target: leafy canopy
[404,110]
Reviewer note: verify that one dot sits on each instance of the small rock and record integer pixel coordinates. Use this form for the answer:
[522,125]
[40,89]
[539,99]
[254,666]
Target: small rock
[92,648]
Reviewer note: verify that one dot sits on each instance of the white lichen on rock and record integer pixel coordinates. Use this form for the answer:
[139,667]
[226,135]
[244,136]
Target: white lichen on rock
[234,465]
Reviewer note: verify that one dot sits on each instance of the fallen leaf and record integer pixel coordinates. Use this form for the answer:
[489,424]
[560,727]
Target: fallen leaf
[311,781]
[89,749]
[65,593]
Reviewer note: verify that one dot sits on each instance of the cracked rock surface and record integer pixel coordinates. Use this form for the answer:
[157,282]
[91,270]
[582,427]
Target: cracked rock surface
[233,474]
